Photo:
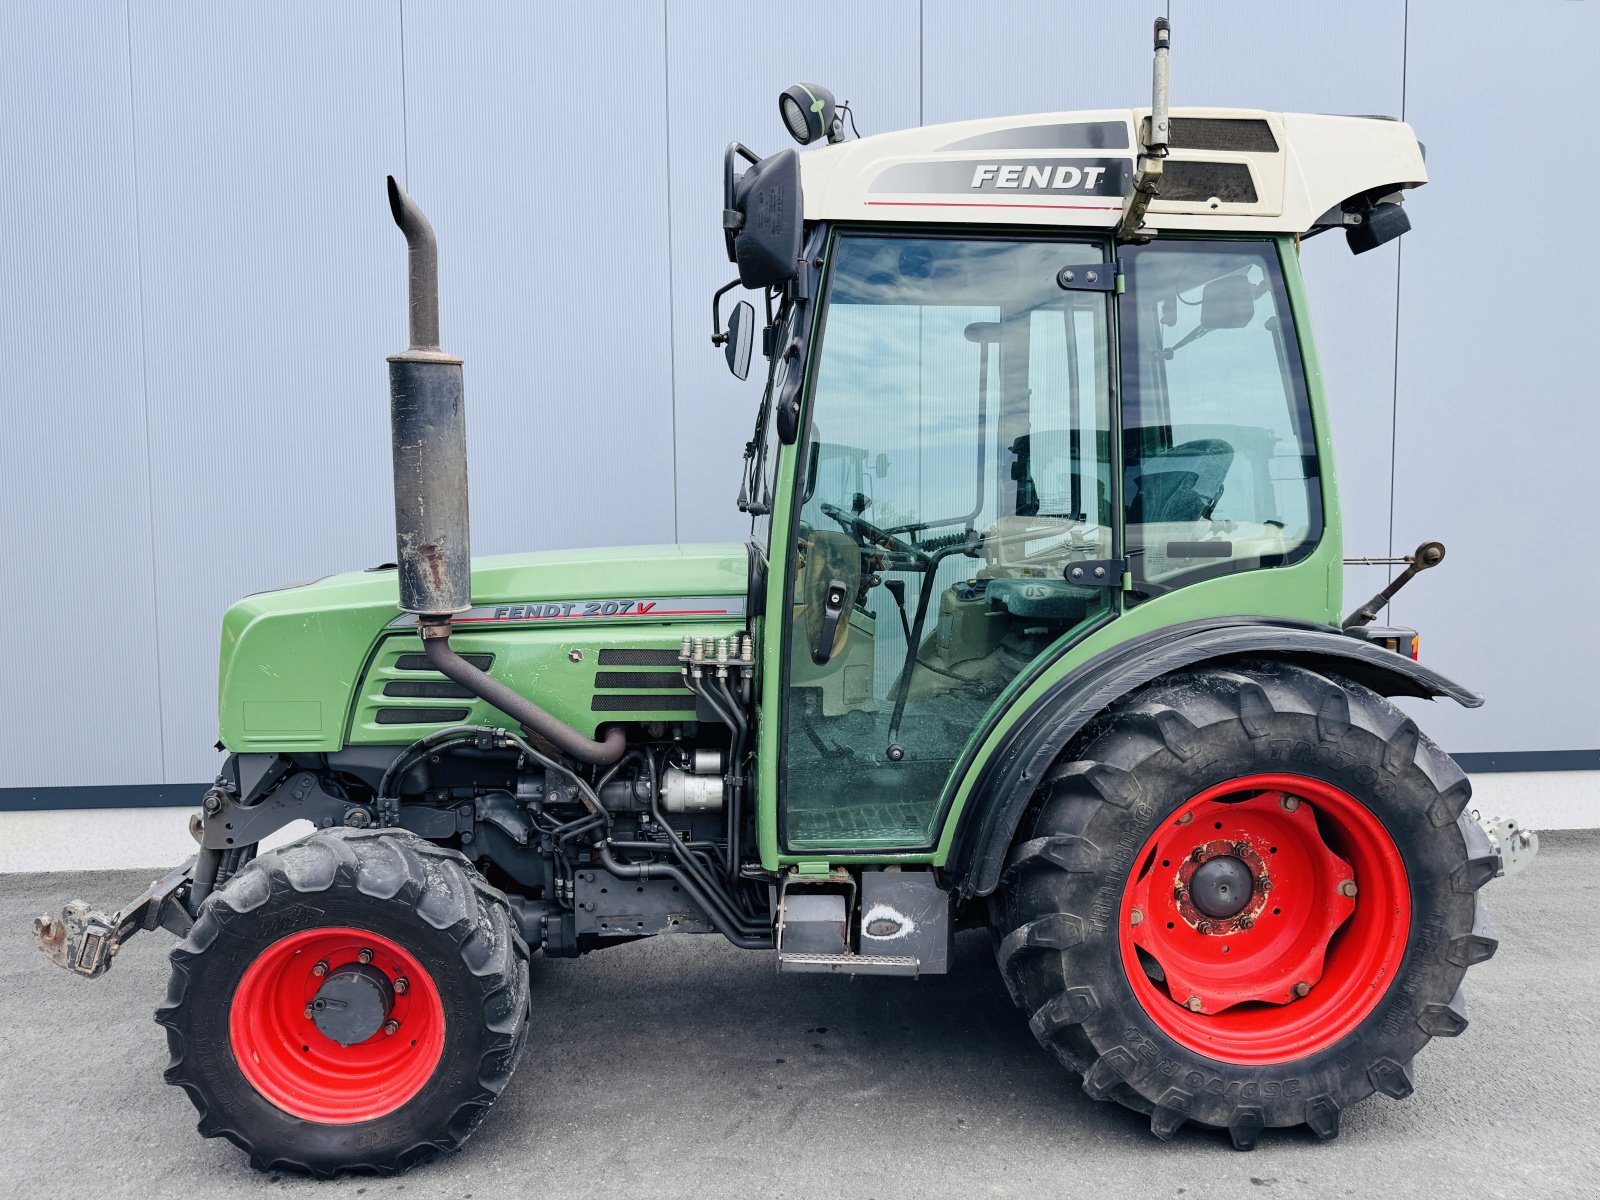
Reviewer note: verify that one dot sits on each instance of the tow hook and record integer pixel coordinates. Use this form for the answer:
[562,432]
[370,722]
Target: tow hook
[1514,846]
[84,941]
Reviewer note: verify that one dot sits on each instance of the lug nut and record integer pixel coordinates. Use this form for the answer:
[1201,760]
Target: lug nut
[1265,881]
[364,957]
[1290,803]
[1135,916]
[391,1027]
[1247,922]
[1193,1003]
[401,985]
[320,970]
[1198,854]
[1347,887]
[1242,848]
[1302,989]
[1203,927]
[308,1012]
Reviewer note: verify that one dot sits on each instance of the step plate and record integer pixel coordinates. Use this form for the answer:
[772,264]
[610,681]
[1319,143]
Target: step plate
[848,964]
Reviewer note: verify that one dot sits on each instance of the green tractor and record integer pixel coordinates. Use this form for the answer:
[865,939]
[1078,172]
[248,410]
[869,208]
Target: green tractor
[1038,630]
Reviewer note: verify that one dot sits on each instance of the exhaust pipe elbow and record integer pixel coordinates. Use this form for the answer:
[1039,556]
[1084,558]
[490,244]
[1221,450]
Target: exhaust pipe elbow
[443,659]
[423,263]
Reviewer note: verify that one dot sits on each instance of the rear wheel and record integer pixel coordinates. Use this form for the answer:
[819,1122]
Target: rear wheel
[1247,900]
[355,1001]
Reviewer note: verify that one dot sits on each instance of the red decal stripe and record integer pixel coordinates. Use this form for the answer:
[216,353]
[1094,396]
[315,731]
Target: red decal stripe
[981,204]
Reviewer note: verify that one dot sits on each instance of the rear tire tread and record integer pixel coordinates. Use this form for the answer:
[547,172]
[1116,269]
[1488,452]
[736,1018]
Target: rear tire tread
[1050,871]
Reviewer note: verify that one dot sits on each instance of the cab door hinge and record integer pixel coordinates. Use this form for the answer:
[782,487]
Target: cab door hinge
[1090,277]
[1098,572]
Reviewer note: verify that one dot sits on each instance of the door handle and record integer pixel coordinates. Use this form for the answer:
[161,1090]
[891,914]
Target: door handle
[833,609]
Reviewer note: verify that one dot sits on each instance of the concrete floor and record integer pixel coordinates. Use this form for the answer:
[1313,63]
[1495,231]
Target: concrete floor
[686,1068]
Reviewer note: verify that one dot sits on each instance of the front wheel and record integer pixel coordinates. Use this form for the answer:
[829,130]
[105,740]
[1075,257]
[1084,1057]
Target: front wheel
[1247,900]
[354,1001]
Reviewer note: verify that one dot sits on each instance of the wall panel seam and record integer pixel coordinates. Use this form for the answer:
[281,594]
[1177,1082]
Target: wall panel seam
[672,315]
[144,376]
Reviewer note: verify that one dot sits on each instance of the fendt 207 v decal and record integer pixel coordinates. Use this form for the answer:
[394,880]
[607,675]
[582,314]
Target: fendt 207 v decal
[656,609]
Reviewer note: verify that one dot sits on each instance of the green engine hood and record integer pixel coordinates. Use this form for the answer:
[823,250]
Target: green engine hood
[293,661]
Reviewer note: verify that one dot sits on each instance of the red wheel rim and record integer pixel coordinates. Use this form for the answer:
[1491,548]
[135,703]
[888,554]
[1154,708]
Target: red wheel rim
[1311,950]
[291,1062]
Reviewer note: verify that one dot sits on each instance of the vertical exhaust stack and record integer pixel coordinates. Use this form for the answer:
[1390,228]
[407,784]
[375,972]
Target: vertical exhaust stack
[428,430]
[428,427]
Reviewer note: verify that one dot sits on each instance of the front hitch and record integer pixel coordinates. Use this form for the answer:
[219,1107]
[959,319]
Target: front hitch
[84,941]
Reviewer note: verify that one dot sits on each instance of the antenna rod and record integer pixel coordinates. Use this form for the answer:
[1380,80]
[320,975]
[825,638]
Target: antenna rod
[1147,183]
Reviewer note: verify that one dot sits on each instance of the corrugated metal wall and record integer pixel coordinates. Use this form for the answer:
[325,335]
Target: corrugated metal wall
[199,281]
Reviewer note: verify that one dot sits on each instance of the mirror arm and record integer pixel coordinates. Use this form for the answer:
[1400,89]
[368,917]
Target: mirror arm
[718,337]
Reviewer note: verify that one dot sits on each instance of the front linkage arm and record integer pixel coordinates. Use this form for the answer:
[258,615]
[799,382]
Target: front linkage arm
[85,941]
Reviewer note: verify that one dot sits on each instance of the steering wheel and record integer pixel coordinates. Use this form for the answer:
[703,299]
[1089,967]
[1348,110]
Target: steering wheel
[866,533]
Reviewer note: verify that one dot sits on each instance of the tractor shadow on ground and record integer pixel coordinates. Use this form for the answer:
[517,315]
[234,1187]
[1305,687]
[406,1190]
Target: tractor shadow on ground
[678,1034]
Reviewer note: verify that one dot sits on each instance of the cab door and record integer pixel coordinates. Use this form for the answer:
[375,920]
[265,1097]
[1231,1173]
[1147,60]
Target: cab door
[953,517]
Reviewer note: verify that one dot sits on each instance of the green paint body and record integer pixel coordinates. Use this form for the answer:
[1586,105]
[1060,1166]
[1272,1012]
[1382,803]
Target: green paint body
[303,669]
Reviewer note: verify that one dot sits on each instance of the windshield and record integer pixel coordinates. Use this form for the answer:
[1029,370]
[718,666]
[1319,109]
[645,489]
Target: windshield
[956,462]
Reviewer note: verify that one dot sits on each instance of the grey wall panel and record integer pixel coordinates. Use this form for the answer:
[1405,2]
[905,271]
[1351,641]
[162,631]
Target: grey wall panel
[1254,54]
[571,158]
[72,456]
[1498,420]
[537,144]
[1025,56]
[273,284]
[726,68]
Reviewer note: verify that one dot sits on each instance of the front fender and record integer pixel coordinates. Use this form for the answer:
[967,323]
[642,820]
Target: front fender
[1006,783]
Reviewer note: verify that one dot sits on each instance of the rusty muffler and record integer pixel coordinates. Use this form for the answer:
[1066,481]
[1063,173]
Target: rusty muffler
[428,428]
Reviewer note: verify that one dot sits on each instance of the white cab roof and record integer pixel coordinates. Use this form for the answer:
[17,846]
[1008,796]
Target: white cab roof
[1228,170]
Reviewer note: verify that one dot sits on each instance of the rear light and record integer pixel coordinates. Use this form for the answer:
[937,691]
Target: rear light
[1396,639]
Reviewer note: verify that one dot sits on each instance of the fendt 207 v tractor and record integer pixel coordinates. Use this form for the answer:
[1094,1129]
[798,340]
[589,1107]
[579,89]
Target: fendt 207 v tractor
[1038,631]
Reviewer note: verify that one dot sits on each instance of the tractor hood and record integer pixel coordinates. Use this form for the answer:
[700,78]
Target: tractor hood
[292,660]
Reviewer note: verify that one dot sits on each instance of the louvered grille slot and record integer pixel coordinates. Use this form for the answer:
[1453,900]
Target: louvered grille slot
[682,702]
[419,662]
[623,657]
[428,689]
[421,716]
[638,679]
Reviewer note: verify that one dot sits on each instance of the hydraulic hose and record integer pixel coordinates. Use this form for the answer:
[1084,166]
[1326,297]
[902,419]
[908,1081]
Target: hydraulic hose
[443,658]
[713,910]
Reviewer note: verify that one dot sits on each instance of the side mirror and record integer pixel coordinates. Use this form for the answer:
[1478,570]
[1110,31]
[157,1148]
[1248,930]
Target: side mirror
[739,338]
[763,217]
[1228,303]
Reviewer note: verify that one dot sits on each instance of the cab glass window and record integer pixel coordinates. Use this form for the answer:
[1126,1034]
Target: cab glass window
[1220,464]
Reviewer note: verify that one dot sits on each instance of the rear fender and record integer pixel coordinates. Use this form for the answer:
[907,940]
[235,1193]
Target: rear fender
[1007,781]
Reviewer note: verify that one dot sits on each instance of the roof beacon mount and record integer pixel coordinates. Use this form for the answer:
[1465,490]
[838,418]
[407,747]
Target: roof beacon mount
[1147,182]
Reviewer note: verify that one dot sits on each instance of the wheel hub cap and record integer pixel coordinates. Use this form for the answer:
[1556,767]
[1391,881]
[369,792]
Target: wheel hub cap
[1222,886]
[353,1003]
